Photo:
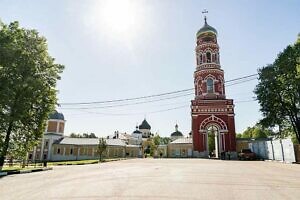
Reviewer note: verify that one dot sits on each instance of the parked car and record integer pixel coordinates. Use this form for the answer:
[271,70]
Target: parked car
[246,154]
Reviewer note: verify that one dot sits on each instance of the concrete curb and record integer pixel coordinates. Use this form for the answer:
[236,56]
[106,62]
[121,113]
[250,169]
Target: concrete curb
[24,171]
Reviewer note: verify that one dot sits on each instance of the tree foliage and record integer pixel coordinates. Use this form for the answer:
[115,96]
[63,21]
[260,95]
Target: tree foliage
[154,144]
[101,148]
[84,135]
[256,132]
[28,76]
[278,90]
[165,140]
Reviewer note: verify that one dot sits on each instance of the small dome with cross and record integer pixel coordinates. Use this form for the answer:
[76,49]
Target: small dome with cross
[206,29]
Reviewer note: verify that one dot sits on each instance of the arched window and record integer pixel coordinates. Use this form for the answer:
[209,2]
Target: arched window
[208,57]
[213,57]
[218,58]
[210,85]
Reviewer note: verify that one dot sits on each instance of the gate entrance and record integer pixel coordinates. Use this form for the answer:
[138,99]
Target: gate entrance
[213,141]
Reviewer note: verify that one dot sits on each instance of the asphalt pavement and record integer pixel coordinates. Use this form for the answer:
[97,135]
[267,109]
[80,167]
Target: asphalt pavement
[158,179]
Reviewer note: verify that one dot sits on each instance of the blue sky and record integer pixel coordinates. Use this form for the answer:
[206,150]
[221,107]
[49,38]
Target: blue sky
[110,53]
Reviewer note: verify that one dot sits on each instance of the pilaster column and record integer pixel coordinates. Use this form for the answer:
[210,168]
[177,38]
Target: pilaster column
[57,127]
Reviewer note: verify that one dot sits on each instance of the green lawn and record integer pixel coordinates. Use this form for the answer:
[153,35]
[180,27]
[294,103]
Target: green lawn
[82,162]
[73,162]
[18,168]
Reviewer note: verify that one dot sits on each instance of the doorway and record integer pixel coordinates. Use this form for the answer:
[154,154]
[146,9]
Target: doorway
[213,146]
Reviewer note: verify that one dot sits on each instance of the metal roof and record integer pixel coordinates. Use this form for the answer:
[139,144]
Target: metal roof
[145,125]
[56,115]
[207,28]
[90,141]
[183,141]
[176,133]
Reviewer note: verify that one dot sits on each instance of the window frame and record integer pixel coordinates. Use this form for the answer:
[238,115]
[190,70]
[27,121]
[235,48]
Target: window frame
[208,90]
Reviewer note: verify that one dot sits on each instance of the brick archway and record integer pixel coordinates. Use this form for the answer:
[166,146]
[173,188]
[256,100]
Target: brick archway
[213,120]
[221,125]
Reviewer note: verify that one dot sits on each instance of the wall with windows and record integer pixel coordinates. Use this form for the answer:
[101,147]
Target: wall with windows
[84,152]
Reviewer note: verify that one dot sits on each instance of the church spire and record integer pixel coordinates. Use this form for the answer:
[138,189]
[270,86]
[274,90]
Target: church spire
[204,12]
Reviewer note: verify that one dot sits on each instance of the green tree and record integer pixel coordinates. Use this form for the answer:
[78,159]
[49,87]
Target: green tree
[154,144]
[239,135]
[21,143]
[146,144]
[165,140]
[278,90]
[84,135]
[92,135]
[101,148]
[28,76]
[211,142]
[257,131]
[75,135]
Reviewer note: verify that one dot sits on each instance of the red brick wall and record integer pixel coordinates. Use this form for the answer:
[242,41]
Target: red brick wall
[199,144]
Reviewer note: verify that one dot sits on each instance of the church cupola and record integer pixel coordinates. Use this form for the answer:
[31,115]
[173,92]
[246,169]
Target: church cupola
[177,134]
[207,49]
[206,29]
[56,123]
[209,77]
[145,128]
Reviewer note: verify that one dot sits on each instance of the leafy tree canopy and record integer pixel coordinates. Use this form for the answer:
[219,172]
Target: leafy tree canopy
[28,76]
[102,145]
[256,132]
[278,90]
[165,140]
[84,135]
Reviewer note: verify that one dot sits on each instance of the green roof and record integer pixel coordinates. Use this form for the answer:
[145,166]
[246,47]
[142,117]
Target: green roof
[56,115]
[207,28]
[145,125]
[177,133]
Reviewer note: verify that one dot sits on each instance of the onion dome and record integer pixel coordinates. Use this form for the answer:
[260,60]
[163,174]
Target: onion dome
[207,29]
[145,125]
[176,133]
[56,115]
[137,131]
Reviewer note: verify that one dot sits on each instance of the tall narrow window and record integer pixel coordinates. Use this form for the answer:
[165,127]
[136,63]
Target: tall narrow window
[213,57]
[200,57]
[210,85]
[208,57]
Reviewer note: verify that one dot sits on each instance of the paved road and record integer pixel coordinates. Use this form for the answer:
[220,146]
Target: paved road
[158,179]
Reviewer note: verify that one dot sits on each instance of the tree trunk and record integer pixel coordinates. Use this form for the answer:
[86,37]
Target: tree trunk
[23,163]
[5,145]
[100,157]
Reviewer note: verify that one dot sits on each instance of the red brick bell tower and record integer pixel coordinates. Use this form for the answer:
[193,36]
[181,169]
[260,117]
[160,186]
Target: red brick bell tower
[212,114]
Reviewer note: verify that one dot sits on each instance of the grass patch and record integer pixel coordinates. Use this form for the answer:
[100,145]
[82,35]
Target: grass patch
[82,162]
[18,168]
[73,162]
